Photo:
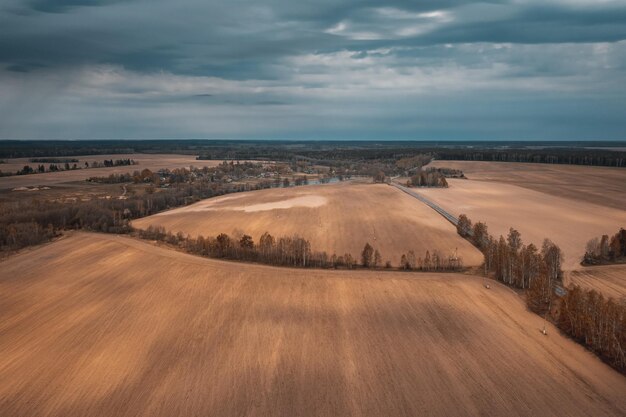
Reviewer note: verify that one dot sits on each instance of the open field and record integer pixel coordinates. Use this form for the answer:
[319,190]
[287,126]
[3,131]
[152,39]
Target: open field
[153,162]
[610,280]
[338,218]
[599,185]
[100,325]
[536,215]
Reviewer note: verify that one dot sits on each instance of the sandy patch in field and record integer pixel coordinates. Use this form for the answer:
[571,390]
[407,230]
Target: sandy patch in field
[101,325]
[310,201]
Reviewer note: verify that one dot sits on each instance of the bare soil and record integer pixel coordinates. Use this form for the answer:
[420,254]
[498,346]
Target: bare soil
[604,186]
[336,218]
[536,215]
[100,325]
[610,280]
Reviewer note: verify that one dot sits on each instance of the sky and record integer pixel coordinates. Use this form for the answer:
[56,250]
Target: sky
[324,69]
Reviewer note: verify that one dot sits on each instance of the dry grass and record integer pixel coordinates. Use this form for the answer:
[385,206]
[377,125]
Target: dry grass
[153,162]
[338,218]
[598,185]
[536,215]
[99,325]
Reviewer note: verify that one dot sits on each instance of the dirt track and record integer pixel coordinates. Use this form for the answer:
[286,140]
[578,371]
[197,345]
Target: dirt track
[99,325]
[336,218]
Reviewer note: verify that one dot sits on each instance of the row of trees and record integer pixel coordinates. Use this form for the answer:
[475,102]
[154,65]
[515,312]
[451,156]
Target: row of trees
[112,163]
[606,250]
[112,179]
[40,169]
[585,315]
[293,251]
[450,172]
[428,178]
[65,164]
[54,160]
[596,322]
[18,235]
[573,156]
[106,215]
[434,262]
[515,264]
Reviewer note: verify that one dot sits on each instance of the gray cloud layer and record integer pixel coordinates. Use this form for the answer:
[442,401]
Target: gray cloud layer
[537,69]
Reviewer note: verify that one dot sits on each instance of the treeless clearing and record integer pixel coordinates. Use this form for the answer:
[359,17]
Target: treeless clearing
[599,185]
[536,215]
[153,162]
[610,280]
[337,218]
[101,325]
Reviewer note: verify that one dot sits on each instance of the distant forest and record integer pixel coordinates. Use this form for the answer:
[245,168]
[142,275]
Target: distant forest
[598,157]
[577,153]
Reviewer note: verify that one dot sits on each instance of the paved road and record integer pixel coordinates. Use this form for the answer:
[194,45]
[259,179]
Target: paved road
[452,219]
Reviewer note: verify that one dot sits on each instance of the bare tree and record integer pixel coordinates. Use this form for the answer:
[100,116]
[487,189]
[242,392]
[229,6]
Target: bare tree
[377,259]
[480,235]
[553,258]
[464,226]
[367,255]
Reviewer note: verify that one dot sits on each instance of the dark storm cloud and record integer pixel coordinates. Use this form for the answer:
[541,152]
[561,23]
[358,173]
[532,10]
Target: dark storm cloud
[239,38]
[327,66]
[59,6]
[541,24]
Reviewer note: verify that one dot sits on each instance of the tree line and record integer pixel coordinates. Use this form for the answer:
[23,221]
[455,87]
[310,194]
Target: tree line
[585,315]
[54,160]
[115,179]
[517,265]
[28,222]
[24,223]
[292,251]
[595,322]
[430,263]
[63,164]
[225,149]
[606,250]
[428,178]
[598,157]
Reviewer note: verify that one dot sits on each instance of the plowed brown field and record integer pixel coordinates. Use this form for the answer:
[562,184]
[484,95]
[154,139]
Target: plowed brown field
[99,325]
[610,280]
[153,162]
[536,215]
[338,218]
[604,186]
